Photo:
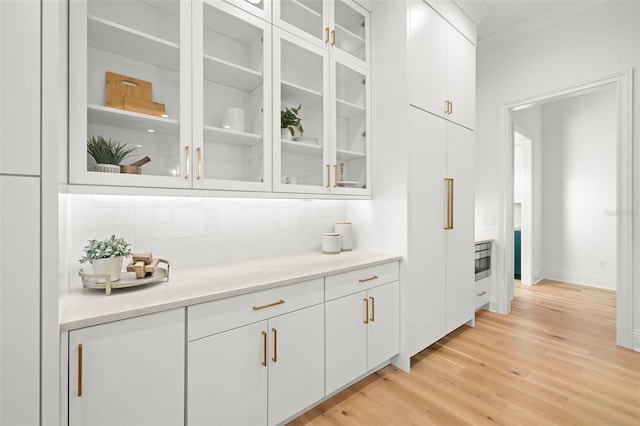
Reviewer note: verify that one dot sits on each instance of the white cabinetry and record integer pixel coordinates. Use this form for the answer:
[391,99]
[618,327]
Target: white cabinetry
[334,154]
[338,25]
[443,208]
[208,60]
[441,67]
[231,94]
[247,372]
[430,186]
[20,213]
[128,372]
[362,327]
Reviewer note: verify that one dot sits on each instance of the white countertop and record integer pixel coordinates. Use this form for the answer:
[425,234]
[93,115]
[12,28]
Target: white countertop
[188,286]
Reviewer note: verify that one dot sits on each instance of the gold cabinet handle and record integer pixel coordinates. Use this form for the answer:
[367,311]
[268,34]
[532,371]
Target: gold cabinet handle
[187,154]
[268,305]
[199,151]
[335,175]
[333,36]
[79,370]
[275,345]
[373,309]
[481,294]
[450,107]
[446,107]
[364,280]
[264,348]
[366,313]
[326,35]
[328,175]
[449,182]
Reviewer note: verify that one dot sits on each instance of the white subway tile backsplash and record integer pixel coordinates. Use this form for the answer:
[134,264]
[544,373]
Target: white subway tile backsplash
[193,231]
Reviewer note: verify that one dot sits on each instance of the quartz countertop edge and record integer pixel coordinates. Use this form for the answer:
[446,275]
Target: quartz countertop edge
[190,286]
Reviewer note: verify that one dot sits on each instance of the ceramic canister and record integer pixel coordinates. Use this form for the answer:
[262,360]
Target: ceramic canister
[346,236]
[331,243]
[233,118]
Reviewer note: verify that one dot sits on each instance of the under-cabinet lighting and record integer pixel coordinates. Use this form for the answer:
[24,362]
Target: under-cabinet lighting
[164,116]
[138,146]
[227,127]
[150,130]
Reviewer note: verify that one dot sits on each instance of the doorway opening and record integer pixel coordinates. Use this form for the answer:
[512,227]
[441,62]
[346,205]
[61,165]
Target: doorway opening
[621,213]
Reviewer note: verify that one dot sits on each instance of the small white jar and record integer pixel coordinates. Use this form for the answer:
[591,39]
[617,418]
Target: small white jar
[233,119]
[331,243]
[346,236]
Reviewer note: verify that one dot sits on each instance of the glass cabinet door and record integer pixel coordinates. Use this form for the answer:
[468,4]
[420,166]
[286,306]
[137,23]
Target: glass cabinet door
[260,8]
[305,18]
[350,32]
[351,156]
[232,81]
[127,86]
[302,85]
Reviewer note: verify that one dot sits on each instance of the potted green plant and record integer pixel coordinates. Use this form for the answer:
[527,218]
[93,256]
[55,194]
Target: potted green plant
[106,256]
[107,153]
[290,122]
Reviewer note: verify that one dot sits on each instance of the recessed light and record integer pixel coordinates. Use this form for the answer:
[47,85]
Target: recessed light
[151,131]
[138,146]
[227,127]
[164,116]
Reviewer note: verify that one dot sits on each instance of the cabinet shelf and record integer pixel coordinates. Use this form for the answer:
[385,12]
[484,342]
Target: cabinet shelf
[231,137]
[131,120]
[301,148]
[304,12]
[294,94]
[347,109]
[344,155]
[229,74]
[134,44]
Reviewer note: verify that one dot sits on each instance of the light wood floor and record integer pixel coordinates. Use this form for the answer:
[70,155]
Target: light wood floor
[553,360]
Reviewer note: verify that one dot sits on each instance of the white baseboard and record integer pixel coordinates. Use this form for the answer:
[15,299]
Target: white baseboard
[636,340]
[581,279]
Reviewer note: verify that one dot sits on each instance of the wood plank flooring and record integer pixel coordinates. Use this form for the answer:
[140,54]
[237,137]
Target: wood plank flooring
[552,361]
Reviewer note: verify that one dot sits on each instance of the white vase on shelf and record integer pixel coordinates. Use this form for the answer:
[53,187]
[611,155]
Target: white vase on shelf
[111,266]
[285,134]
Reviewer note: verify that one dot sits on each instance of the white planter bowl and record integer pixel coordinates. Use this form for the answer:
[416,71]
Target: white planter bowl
[107,168]
[110,266]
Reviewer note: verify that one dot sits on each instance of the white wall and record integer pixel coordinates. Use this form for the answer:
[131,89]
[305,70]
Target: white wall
[579,189]
[602,41]
[193,231]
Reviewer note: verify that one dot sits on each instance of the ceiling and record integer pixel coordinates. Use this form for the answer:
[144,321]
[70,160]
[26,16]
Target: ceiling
[496,17]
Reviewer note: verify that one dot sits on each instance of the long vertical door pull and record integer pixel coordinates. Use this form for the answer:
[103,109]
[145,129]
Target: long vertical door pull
[80,370]
[366,313]
[373,309]
[275,345]
[264,348]
[449,182]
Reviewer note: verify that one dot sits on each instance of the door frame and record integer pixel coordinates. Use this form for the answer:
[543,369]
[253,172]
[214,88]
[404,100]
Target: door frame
[503,289]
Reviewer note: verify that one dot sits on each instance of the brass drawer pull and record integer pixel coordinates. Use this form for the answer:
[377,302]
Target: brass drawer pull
[364,280]
[264,348]
[366,307]
[373,309]
[279,302]
[481,294]
[79,370]
[275,345]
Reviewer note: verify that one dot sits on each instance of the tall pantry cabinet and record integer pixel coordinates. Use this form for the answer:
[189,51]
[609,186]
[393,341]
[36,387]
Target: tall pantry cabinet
[20,212]
[424,163]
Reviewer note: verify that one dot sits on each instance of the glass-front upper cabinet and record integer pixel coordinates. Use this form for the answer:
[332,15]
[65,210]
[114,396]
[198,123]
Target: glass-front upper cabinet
[340,25]
[231,87]
[130,91]
[350,157]
[300,96]
[323,142]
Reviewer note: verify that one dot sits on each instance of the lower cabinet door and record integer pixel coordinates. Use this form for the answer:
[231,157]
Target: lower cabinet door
[346,340]
[384,323]
[296,362]
[227,377]
[128,372]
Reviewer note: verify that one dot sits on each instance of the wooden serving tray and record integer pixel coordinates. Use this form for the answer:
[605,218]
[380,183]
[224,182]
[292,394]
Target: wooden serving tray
[128,279]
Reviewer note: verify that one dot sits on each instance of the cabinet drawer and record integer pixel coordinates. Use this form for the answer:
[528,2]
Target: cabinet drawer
[214,317]
[482,292]
[362,279]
